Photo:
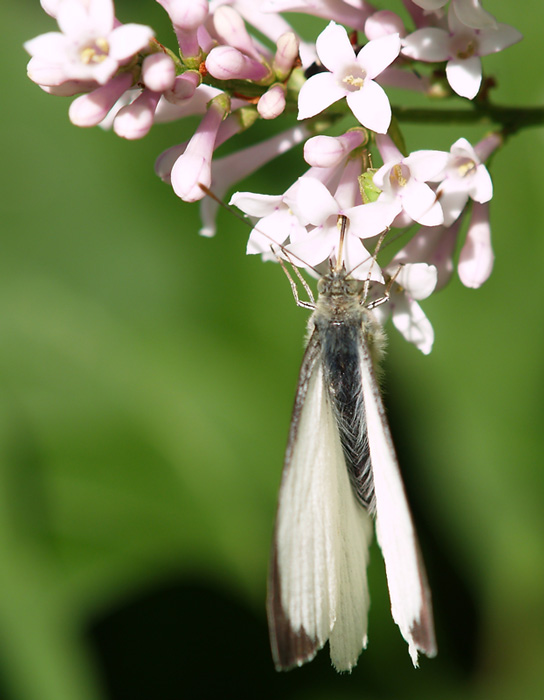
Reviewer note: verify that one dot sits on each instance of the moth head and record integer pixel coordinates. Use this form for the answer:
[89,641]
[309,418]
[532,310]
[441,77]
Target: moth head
[338,283]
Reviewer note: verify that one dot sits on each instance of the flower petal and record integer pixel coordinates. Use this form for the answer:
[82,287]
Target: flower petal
[334,48]
[493,40]
[256,204]
[481,189]
[313,202]
[427,165]
[318,93]
[189,171]
[375,56]
[430,44]
[316,247]
[359,261]
[471,13]
[367,220]
[465,76]
[128,39]
[371,106]
[409,319]
[421,204]
[453,197]
[418,279]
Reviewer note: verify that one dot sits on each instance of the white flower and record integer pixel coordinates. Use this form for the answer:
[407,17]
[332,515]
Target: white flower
[461,47]
[464,176]
[316,208]
[413,282]
[351,77]
[402,181]
[89,45]
[470,12]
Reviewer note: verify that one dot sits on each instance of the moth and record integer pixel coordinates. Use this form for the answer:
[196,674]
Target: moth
[340,477]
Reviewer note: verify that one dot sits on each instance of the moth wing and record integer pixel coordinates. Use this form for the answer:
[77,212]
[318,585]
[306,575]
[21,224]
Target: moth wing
[406,578]
[317,584]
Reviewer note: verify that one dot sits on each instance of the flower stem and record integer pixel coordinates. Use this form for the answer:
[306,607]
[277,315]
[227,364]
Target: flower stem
[512,119]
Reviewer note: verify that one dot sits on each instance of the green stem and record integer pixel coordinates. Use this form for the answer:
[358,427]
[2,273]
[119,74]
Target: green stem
[511,119]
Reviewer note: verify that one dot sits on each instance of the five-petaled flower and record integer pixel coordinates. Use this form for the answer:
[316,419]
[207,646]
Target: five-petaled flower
[91,45]
[350,76]
[461,47]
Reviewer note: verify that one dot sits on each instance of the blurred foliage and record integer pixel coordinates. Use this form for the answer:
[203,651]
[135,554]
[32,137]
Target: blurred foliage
[147,378]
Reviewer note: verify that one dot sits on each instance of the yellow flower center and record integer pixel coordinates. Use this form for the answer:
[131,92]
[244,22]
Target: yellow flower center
[95,53]
[351,80]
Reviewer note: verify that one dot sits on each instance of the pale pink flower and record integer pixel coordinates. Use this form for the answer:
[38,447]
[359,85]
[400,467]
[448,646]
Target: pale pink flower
[434,245]
[412,283]
[89,45]
[403,184]
[276,222]
[476,257]
[464,176]
[316,208]
[470,12]
[351,77]
[461,47]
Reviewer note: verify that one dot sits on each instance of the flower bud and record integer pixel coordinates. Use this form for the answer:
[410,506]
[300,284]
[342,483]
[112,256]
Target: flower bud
[158,72]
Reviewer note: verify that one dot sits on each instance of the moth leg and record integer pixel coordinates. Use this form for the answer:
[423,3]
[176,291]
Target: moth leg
[304,304]
[366,286]
[387,291]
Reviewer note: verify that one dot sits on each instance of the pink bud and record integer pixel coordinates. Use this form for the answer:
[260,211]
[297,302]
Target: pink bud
[476,257]
[90,110]
[328,151]
[286,54]
[194,166]
[383,23]
[136,119]
[227,63]
[231,31]
[186,14]
[272,103]
[184,87]
[158,72]
[487,145]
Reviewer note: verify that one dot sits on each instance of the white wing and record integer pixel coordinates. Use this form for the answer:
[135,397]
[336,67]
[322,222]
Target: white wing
[406,578]
[318,587]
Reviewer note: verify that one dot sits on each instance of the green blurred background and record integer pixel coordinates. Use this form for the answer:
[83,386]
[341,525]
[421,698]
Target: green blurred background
[147,380]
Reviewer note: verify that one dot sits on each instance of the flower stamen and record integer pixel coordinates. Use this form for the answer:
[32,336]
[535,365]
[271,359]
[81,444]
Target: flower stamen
[96,53]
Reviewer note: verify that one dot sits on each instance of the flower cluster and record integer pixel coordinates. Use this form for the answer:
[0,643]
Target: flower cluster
[127,80]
